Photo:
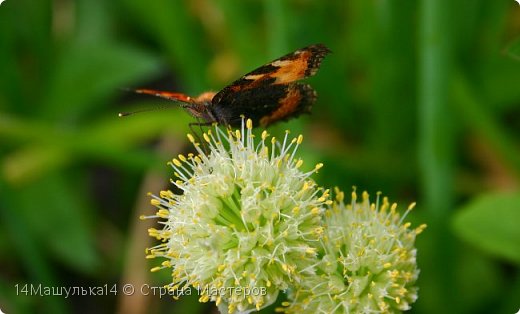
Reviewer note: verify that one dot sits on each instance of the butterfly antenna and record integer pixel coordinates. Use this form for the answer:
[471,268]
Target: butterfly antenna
[125,114]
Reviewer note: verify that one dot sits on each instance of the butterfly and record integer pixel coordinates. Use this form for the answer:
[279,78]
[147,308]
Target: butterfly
[266,95]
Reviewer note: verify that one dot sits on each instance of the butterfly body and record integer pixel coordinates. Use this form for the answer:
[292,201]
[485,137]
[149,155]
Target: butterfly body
[266,95]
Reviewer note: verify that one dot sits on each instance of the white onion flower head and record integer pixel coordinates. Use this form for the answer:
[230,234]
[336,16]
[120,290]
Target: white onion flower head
[368,261]
[248,223]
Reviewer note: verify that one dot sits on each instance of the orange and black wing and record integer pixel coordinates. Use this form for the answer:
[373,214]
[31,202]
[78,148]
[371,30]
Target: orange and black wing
[265,104]
[269,93]
[292,67]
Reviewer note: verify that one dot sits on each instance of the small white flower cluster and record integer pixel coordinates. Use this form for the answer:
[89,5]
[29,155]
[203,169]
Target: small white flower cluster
[368,263]
[249,224]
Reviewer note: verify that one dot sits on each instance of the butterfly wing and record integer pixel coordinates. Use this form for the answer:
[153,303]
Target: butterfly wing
[266,104]
[292,67]
[269,93]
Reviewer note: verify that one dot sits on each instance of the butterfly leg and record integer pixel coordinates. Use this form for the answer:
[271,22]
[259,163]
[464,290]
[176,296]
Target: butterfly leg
[200,125]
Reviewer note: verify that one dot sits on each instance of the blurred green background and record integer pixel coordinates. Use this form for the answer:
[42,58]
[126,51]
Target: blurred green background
[419,100]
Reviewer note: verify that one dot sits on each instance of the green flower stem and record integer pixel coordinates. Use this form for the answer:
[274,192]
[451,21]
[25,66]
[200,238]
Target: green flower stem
[436,146]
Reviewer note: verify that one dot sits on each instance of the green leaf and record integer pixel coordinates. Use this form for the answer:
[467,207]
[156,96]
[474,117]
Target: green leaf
[131,130]
[55,210]
[107,140]
[86,74]
[33,161]
[490,223]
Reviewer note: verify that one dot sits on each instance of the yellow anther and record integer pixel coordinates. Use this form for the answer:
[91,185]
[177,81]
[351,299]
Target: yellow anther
[420,229]
[310,250]
[340,196]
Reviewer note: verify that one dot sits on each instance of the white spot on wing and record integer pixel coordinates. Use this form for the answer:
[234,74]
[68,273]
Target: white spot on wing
[254,77]
[281,63]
